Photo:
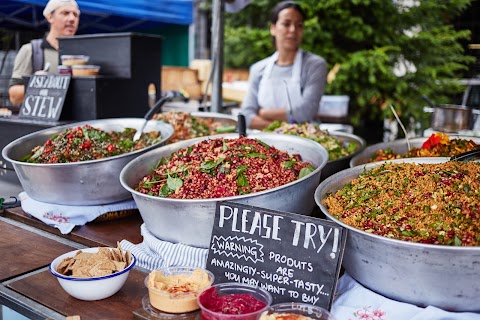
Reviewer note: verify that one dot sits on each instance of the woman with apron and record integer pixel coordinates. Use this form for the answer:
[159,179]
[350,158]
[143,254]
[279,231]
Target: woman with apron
[288,85]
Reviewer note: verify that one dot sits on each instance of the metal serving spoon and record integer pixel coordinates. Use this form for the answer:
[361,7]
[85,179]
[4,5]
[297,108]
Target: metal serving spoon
[167,96]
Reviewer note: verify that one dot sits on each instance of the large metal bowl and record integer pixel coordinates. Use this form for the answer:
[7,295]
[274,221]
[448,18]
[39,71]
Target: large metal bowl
[191,221]
[334,166]
[225,119]
[91,182]
[399,146]
[422,274]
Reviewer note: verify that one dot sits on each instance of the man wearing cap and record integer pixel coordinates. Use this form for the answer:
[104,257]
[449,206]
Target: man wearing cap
[63,17]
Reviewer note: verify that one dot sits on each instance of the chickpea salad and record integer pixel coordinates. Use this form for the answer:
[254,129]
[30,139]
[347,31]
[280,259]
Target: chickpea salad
[425,203]
[336,148]
[89,143]
[218,168]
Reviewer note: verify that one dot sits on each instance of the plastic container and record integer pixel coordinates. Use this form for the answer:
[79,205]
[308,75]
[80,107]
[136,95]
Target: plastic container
[85,70]
[153,313]
[184,300]
[294,311]
[333,106]
[71,60]
[234,296]
[64,69]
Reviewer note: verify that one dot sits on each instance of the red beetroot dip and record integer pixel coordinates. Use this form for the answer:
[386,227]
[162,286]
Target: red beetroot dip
[240,303]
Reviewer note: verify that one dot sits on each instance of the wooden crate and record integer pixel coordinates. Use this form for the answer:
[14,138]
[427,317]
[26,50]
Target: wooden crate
[181,78]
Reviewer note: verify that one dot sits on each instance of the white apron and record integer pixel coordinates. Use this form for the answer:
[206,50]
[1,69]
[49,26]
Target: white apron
[272,92]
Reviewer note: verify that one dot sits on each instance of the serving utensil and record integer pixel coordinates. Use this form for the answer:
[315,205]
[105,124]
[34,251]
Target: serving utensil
[167,96]
[402,126]
[242,126]
[466,156]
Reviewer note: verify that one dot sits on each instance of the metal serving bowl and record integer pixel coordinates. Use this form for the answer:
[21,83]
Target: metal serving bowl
[190,221]
[334,166]
[398,147]
[90,182]
[225,119]
[420,274]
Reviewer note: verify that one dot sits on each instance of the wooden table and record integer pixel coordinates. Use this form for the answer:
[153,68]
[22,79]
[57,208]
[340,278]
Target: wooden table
[45,289]
[23,251]
[28,246]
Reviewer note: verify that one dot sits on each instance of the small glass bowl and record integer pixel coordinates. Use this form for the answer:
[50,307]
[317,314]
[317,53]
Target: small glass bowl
[176,302]
[303,310]
[71,60]
[233,288]
[85,70]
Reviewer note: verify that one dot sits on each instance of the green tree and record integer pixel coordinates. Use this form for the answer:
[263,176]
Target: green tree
[364,42]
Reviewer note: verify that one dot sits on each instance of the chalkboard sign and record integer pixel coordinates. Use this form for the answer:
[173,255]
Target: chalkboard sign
[294,257]
[44,97]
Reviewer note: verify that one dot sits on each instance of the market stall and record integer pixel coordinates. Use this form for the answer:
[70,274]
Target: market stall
[29,290]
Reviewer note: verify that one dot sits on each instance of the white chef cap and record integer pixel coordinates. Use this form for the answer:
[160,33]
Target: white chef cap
[55,4]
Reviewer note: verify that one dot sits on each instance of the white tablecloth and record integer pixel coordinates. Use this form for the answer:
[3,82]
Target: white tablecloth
[353,301]
[65,218]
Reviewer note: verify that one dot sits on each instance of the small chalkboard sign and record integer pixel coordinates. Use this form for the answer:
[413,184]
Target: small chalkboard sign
[294,257]
[44,97]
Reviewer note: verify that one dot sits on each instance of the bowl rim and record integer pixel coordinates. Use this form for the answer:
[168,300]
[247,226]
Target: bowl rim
[359,141]
[86,66]
[74,56]
[182,270]
[369,150]
[298,310]
[141,158]
[368,166]
[267,294]
[59,129]
[76,279]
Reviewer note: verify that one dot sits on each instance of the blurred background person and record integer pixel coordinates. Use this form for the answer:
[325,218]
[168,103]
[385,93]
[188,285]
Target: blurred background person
[63,17]
[290,68]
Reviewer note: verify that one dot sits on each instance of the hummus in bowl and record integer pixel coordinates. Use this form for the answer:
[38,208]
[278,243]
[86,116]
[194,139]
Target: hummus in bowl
[175,289]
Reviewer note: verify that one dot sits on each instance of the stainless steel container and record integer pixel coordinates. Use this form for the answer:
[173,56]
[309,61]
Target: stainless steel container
[225,119]
[190,221]
[334,166]
[421,274]
[399,146]
[91,182]
[451,118]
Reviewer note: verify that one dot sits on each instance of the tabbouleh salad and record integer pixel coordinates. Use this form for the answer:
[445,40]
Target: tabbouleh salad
[336,148]
[426,203]
[89,143]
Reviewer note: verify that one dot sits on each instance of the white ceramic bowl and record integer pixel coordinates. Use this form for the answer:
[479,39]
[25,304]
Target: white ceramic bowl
[90,289]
